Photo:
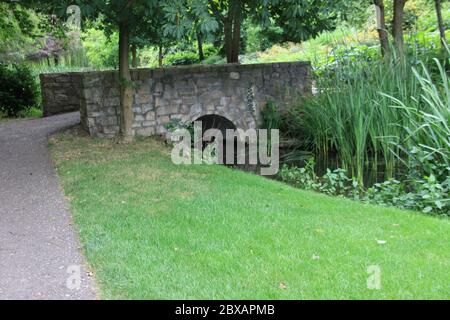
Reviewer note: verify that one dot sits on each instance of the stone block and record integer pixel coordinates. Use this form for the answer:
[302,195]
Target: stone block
[196,109]
[139,117]
[147,124]
[145,132]
[174,109]
[161,111]
[189,100]
[111,130]
[164,120]
[110,111]
[160,102]
[184,109]
[143,99]
[158,89]
[143,90]
[109,121]
[95,114]
[146,107]
[144,74]
[150,116]
[209,107]
[161,129]
[225,101]
[137,110]
[114,92]
[111,102]
[235,76]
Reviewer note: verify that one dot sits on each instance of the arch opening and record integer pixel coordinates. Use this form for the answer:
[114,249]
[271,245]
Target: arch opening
[213,121]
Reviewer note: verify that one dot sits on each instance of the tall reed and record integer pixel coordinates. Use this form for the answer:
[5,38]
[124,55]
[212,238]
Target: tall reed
[351,120]
[426,133]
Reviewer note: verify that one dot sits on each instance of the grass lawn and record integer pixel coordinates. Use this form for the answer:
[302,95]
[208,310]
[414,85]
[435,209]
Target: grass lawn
[153,230]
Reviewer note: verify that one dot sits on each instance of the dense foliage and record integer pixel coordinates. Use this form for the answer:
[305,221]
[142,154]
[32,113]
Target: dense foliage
[18,90]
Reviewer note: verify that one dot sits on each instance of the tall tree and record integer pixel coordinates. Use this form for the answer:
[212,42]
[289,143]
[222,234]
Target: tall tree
[134,56]
[397,25]
[382,28]
[126,99]
[201,54]
[229,15]
[438,6]
[299,19]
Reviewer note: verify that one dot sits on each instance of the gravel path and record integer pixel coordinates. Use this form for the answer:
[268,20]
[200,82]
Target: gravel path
[39,250]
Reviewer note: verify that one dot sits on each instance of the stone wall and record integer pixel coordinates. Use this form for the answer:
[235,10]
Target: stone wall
[169,95]
[61,92]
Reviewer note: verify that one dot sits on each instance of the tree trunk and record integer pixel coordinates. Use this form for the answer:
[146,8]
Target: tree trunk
[397,31]
[160,55]
[126,91]
[382,28]
[201,54]
[228,34]
[236,42]
[438,6]
[232,31]
[134,61]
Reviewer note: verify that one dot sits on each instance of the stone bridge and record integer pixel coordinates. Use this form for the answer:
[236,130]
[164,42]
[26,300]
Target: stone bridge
[165,97]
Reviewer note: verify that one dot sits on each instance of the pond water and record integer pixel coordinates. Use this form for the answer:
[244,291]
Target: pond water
[373,173]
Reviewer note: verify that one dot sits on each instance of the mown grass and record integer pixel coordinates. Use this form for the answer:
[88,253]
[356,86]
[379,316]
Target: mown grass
[153,230]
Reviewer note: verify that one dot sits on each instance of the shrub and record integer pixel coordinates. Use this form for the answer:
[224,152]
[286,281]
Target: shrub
[333,183]
[209,50]
[101,51]
[181,59]
[303,178]
[259,38]
[214,60]
[18,89]
[427,195]
[271,116]
[31,112]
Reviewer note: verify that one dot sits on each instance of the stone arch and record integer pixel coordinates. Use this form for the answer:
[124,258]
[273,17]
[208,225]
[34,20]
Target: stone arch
[197,115]
[239,120]
[214,121]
